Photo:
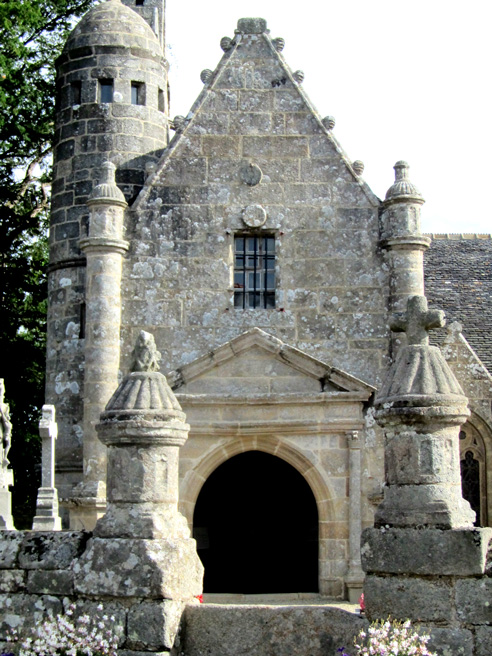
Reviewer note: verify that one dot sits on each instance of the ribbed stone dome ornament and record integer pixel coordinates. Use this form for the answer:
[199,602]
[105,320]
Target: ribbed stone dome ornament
[328,122]
[226,43]
[144,396]
[107,190]
[179,123]
[206,75]
[298,76]
[358,166]
[279,44]
[402,187]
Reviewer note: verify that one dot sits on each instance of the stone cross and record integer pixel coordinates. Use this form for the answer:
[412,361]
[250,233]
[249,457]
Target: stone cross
[417,321]
[47,517]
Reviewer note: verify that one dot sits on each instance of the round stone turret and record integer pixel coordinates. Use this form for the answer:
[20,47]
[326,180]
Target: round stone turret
[111,105]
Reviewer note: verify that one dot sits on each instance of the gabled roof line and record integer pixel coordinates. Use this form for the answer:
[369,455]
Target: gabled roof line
[209,88]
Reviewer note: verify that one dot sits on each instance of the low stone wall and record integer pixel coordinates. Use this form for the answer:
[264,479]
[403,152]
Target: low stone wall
[38,574]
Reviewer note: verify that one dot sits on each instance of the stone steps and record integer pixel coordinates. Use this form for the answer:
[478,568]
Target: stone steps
[290,627]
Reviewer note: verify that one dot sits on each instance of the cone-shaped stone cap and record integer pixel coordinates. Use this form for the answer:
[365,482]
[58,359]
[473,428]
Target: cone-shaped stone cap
[402,188]
[420,376]
[143,408]
[114,24]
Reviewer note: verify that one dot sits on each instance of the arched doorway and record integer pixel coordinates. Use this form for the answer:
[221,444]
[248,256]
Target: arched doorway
[256,525]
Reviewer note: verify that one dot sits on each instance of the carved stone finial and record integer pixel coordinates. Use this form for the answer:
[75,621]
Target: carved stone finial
[279,44]
[146,357]
[417,321]
[107,191]
[206,75]
[358,167]
[226,43]
[328,122]
[178,123]
[402,187]
[251,26]
[298,76]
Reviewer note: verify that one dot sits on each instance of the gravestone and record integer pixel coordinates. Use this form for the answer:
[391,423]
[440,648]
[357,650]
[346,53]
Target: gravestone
[47,517]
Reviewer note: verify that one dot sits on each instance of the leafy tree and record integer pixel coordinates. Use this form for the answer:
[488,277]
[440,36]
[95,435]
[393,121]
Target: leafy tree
[32,34]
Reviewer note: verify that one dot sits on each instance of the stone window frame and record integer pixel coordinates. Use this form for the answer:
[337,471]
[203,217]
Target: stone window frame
[137,93]
[269,291]
[472,441]
[103,86]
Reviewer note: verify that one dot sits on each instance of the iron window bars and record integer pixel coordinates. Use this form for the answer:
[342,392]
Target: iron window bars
[254,271]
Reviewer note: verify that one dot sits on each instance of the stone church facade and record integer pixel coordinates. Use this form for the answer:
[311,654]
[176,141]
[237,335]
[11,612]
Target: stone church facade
[251,248]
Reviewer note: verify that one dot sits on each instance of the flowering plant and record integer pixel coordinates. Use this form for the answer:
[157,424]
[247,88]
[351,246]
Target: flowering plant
[390,639]
[67,635]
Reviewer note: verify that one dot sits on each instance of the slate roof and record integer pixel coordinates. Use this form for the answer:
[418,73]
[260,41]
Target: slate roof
[458,280]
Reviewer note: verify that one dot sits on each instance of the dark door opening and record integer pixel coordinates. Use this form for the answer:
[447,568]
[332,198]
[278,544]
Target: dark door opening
[256,526]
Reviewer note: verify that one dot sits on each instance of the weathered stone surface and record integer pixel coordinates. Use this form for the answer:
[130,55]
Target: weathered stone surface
[23,611]
[473,604]
[10,544]
[269,630]
[153,625]
[12,580]
[168,569]
[425,551]
[55,582]
[450,642]
[49,550]
[483,641]
[421,600]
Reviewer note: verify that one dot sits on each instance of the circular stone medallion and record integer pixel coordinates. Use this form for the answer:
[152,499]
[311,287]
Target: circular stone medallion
[251,174]
[254,216]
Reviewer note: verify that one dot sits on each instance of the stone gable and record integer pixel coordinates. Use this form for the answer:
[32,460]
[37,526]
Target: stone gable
[254,146]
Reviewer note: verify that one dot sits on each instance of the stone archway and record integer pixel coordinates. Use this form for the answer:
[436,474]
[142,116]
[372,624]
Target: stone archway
[256,525]
[327,518]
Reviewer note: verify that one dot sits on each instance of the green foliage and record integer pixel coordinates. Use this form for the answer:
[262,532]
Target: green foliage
[31,37]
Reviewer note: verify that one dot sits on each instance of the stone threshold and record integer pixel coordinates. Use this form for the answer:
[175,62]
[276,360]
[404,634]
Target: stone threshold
[278,599]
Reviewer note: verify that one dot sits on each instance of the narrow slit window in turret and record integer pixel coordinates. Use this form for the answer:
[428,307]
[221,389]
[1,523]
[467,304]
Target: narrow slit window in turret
[138,93]
[106,91]
[75,92]
[254,271]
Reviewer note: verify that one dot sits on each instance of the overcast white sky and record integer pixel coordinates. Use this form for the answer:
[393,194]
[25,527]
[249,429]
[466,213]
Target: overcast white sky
[404,80]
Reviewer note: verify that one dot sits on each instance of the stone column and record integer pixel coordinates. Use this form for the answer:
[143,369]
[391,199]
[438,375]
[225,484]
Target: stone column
[424,560]
[47,517]
[142,550]
[402,239]
[104,249]
[6,474]
[355,575]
